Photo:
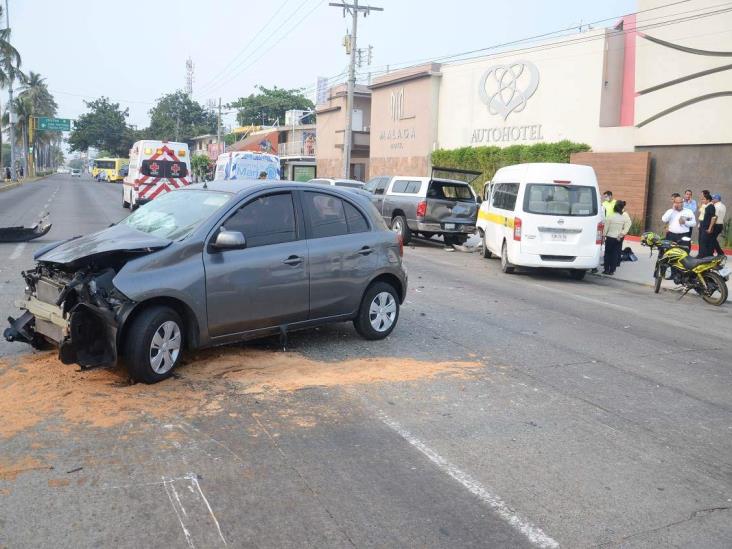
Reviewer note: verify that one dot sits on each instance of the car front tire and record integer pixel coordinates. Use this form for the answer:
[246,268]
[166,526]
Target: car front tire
[379,311]
[154,344]
[506,267]
[485,252]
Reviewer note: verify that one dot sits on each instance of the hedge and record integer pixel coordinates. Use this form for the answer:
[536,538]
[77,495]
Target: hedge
[488,159]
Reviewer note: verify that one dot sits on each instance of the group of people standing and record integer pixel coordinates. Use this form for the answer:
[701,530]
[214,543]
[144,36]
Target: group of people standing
[681,219]
[617,225]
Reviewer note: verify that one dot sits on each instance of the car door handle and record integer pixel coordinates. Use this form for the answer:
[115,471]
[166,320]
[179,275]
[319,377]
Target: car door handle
[366,250]
[293,260]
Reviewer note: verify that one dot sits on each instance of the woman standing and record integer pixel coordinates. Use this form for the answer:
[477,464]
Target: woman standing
[706,225]
[614,224]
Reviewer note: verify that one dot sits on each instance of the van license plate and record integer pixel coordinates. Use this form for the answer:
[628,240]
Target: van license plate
[449,226]
[561,237]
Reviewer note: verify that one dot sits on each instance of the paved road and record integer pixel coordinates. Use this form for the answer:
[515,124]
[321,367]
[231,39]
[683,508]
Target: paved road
[578,414]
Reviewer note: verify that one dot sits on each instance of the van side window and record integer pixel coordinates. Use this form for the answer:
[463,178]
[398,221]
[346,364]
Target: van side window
[504,196]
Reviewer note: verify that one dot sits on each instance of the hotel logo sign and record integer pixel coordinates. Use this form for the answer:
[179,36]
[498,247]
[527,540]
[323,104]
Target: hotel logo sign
[398,134]
[507,88]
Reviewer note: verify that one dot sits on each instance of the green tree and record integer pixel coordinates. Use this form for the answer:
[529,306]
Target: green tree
[9,65]
[269,105]
[177,117]
[35,92]
[200,165]
[103,127]
[76,164]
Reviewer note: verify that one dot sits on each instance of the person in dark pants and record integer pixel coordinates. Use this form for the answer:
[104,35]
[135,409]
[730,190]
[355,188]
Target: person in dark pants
[614,224]
[679,220]
[720,211]
[706,226]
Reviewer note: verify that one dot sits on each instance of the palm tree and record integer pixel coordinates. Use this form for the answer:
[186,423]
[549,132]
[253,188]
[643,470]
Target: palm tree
[9,65]
[41,103]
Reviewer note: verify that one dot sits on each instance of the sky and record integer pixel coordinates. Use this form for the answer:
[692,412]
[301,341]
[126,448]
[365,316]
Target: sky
[135,51]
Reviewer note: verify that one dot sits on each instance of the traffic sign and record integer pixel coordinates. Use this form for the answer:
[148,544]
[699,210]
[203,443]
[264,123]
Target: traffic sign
[46,124]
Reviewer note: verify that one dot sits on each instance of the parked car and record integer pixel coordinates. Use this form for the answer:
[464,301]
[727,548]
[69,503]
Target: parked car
[543,215]
[207,265]
[427,205]
[76,172]
[351,183]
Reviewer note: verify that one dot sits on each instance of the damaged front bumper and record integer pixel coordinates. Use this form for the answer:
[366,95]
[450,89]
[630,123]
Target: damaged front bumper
[81,315]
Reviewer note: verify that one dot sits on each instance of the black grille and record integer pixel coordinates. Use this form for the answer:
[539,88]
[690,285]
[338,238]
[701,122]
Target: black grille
[558,258]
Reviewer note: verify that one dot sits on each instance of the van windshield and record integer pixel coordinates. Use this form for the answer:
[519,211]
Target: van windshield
[446,190]
[553,199]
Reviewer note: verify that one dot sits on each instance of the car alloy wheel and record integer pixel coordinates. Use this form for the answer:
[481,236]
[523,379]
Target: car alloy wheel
[382,311]
[165,347]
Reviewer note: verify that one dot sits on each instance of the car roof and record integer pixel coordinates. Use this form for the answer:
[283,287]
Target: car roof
[249,186]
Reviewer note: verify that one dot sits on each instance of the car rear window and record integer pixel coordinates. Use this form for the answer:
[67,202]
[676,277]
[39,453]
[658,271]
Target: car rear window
[164,169]
[553,199]
[450,191]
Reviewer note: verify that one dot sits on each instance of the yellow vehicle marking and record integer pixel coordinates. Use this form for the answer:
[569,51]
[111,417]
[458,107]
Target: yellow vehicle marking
[496,218]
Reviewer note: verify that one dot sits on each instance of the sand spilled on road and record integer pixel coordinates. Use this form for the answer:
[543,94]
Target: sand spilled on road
[37,387]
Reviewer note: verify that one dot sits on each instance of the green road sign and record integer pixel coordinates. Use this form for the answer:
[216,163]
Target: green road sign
[45,124]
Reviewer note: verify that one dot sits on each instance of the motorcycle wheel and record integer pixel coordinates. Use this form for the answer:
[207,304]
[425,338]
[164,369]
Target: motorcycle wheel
[716,292]
[660,272]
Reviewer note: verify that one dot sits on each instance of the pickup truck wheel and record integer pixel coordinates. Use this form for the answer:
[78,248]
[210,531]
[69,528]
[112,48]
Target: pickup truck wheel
[154,344]
[506,267]
[379,311]
[485,252]
[399,226]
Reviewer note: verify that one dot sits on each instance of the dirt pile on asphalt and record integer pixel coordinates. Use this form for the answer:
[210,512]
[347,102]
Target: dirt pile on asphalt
[36,388]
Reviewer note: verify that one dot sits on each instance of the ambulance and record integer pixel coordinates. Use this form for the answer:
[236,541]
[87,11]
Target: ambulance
[156,167]
[246,165]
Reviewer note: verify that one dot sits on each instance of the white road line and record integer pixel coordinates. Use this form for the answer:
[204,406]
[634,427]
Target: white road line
[587,299]
[194,480]
[17,251]
[169,484]
[533,534]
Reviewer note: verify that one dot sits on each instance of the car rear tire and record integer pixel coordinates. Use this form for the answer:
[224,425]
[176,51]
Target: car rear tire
[154,344]
[399,226]
[506,267]
[379,311]
[485,252]
[577,274]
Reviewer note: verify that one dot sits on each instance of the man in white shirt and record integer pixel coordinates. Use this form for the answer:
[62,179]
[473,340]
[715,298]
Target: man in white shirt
[721,211]
[679,220]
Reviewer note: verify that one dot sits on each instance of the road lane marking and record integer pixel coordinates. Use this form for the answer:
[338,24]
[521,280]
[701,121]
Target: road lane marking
[17,251]
[534,534]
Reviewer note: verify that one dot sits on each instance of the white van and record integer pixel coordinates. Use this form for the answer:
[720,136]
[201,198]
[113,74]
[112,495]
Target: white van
[156,167]
[543,215]
[246,165]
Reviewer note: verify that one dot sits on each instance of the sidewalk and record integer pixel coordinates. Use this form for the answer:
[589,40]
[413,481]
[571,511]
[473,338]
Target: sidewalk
[7,185]
[641,271]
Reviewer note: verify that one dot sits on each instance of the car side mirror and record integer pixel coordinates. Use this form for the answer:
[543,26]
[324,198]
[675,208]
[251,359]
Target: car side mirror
[478,200]
[230,240]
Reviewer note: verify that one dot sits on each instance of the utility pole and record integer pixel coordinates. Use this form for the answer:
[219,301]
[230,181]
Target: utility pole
[218,130]
[11,113]
[353,10]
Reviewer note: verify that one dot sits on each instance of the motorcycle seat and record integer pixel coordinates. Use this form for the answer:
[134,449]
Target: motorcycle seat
[691,262]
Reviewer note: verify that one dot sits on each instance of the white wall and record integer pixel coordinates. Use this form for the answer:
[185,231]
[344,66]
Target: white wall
[706,122]
[566,104]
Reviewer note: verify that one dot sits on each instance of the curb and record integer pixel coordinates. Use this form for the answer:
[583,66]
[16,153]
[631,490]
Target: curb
[13,185]
[694,247]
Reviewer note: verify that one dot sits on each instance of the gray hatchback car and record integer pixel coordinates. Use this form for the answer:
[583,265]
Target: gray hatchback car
[209,265]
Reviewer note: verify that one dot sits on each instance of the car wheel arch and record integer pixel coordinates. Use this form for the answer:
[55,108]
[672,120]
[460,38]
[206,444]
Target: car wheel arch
[190,321]
[392,280]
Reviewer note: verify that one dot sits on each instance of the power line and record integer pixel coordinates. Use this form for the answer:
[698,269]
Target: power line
[244,65]
[247,45]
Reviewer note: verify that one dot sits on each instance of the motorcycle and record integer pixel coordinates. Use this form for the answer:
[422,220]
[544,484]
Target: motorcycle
[707,275]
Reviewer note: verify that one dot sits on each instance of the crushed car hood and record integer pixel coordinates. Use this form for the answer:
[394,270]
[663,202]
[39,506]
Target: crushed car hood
[118,238]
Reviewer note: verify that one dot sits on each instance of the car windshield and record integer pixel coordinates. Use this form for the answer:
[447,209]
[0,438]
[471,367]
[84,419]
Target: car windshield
[176,214]
[567,200]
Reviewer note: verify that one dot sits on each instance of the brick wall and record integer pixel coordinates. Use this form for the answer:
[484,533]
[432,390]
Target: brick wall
[626,174]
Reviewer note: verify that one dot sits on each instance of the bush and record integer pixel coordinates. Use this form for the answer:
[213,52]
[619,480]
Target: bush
[488,160]
[636,226]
